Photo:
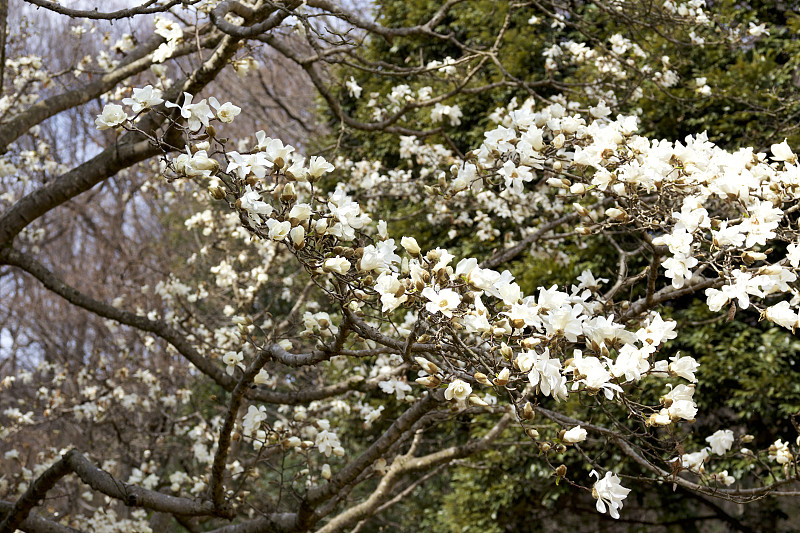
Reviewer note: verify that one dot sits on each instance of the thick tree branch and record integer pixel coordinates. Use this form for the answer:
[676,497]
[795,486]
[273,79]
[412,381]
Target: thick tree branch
[317,495]
[34,523]
[137,61]
[216,488]
[102,481]
[406,464]
[146,8]
[243,32]
[177,340]
[513,251]
[35,493]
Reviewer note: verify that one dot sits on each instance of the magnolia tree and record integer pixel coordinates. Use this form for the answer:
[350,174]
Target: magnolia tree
[302,364]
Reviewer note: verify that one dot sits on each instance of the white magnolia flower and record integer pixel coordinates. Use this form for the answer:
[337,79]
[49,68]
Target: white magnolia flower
[458,390]
[325,472]
[609,492]
[196,115]
[724,478]
[164,51]
[144,98]
[684,367]
[252,202]
[783,315]
[168,29]
[326,442]
[225,112]
[252,420]
[782,152]
[340,265]
[779,452]
[681,404]
[575,435]
[300,212]
[199,164]
[353,88]
[757,30]
[694,461]
[395,386]
[410,245]
[388,286]
[317,166]
[546,374]
[297,235]
[278,231]
[112,115]
[261,378]
[232,360]
[721,441]
[444,301]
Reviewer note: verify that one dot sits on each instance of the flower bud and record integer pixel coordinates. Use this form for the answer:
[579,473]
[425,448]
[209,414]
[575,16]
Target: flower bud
[558,183]
[527,411]
[288,194]
[426,365]
[751,257]
[502,377]
[321,226]
[530,343]
[582,211]
[481,378]
[517,323]
[474,400]
[506,351]
[617,214]
[429,381]
[411,246]
[458,184]
[297,236]
[216,193]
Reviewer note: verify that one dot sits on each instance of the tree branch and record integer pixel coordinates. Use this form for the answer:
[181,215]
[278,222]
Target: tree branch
[143,9]
[34,523]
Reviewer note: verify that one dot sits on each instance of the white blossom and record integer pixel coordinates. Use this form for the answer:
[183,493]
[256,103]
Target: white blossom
[609,493]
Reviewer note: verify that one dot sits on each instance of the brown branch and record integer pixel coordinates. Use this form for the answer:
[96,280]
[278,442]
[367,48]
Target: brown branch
[94,14]
[216,488]
[35,492]
[407,464]
[102,481]
[307,517]
[510,253]
[131,148]
[244,32]
[3,40]
[34,523]
[161,329]
[737,495]
[137,61]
